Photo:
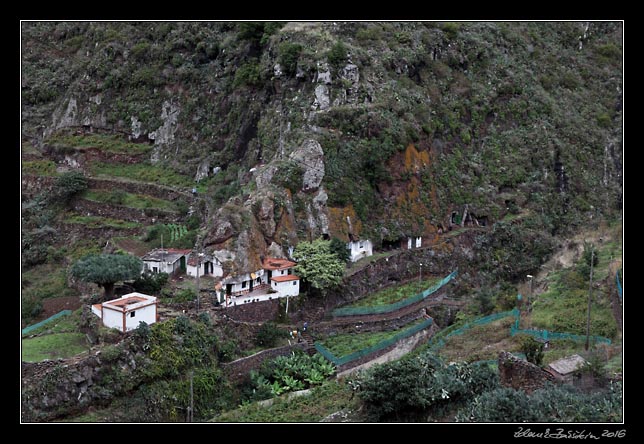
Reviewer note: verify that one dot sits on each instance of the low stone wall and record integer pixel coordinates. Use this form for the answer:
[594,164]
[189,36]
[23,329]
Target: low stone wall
[239,369]
[254,311]
[521,374]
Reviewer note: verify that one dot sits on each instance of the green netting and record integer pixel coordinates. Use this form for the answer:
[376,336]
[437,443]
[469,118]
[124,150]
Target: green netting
[353,311]
[49,319]
[438,340]
[374,348]
[549,335]
[619,285]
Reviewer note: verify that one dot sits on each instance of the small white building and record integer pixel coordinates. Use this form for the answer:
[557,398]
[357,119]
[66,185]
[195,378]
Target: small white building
[359,249]
[207,266]
[126,312]
[414,242]
[288,285]
[167,260]
[244,283]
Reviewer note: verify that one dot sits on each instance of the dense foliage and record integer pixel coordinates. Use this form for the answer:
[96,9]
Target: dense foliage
[318,265]
[107,269]
[550,404]
[413,388]
[289,373]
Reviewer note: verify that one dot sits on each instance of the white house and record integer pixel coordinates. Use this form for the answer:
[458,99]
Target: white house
[244,283]
[167,260]
[359,249]
[207,266]
[414,242]
[126,312]
[288,285]
[279,273]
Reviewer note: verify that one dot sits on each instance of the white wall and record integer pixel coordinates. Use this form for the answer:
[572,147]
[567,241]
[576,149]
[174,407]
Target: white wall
[419,242]
[148,314]
[217,271]
[288,288]
[360,249]
[96,311]
[112,318]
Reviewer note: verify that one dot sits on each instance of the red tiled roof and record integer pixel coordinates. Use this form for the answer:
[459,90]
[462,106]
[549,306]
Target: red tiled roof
[288,277]
[271,263]
[98,306]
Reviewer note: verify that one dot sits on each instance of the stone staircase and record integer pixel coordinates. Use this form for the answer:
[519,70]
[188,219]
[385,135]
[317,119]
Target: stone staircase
[309,341]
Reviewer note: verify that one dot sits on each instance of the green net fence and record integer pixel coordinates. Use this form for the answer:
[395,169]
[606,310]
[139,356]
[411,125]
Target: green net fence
[46,321]
[619,285]
[353,311]
[438,340]
[338,361]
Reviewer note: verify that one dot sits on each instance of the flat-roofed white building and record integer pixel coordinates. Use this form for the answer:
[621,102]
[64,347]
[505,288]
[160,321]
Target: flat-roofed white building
[126,312]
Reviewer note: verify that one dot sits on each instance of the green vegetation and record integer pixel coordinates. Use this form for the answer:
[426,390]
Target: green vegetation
[53,346]
[119,197]
[418,387]
[330,397]
[289,373]
[394,294]
[532,349]
[67,186]
[317,265]
[64,324]
[107,269]
[99,222]
[39,167]
[289,54]
[563,308]
[269,334]
[172,236]
[110,143]
[550,404]
[142,172]
[344,344]
[481,342]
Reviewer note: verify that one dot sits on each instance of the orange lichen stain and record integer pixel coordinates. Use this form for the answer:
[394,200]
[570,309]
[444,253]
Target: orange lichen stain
[338,224]
[415,160]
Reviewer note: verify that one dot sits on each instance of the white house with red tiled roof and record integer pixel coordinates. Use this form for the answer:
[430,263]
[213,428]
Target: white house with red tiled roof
[126,312]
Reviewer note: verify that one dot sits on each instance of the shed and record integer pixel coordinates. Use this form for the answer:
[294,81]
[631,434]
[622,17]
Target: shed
[126,312]
[565,368]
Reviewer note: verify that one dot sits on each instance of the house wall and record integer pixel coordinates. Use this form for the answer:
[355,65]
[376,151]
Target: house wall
[148,314]
[112,318]
[217,271]
[96,311]
[288,288]
[360,249]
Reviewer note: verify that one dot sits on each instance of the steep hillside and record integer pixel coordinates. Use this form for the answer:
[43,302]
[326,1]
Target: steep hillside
[290,128]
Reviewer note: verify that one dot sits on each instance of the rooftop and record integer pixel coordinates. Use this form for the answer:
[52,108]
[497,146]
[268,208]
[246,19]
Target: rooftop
[130,299]
[272,263]
[568,364]
[165,255]
[288,277]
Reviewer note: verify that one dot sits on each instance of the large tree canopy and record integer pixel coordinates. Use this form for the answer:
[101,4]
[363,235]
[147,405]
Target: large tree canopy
[317,264]
[107,269]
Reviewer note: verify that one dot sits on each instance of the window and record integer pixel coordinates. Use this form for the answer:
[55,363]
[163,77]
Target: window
[244,284]
[282,272]
[155,269]
[132,314]
[294,282]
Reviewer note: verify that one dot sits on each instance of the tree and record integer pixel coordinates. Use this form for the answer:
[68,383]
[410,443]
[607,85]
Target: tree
[107,269]
[318,265]
[339,248]
[533,350]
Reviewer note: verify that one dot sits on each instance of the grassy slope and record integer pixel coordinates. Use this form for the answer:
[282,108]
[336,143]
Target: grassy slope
[53,346]
[394,294]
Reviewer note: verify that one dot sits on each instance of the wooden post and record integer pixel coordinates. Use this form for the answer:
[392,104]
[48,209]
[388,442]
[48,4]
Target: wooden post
[192,403]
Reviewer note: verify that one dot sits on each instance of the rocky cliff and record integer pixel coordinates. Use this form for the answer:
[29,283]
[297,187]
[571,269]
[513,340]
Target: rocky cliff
[288,128]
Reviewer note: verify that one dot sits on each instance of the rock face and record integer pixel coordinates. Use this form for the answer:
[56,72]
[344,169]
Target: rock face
[164,135]
[310,157]
[322,99]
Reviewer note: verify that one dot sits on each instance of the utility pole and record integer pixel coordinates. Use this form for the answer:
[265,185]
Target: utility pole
[529,276]
[420,273]
[590,292]
[192,400]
